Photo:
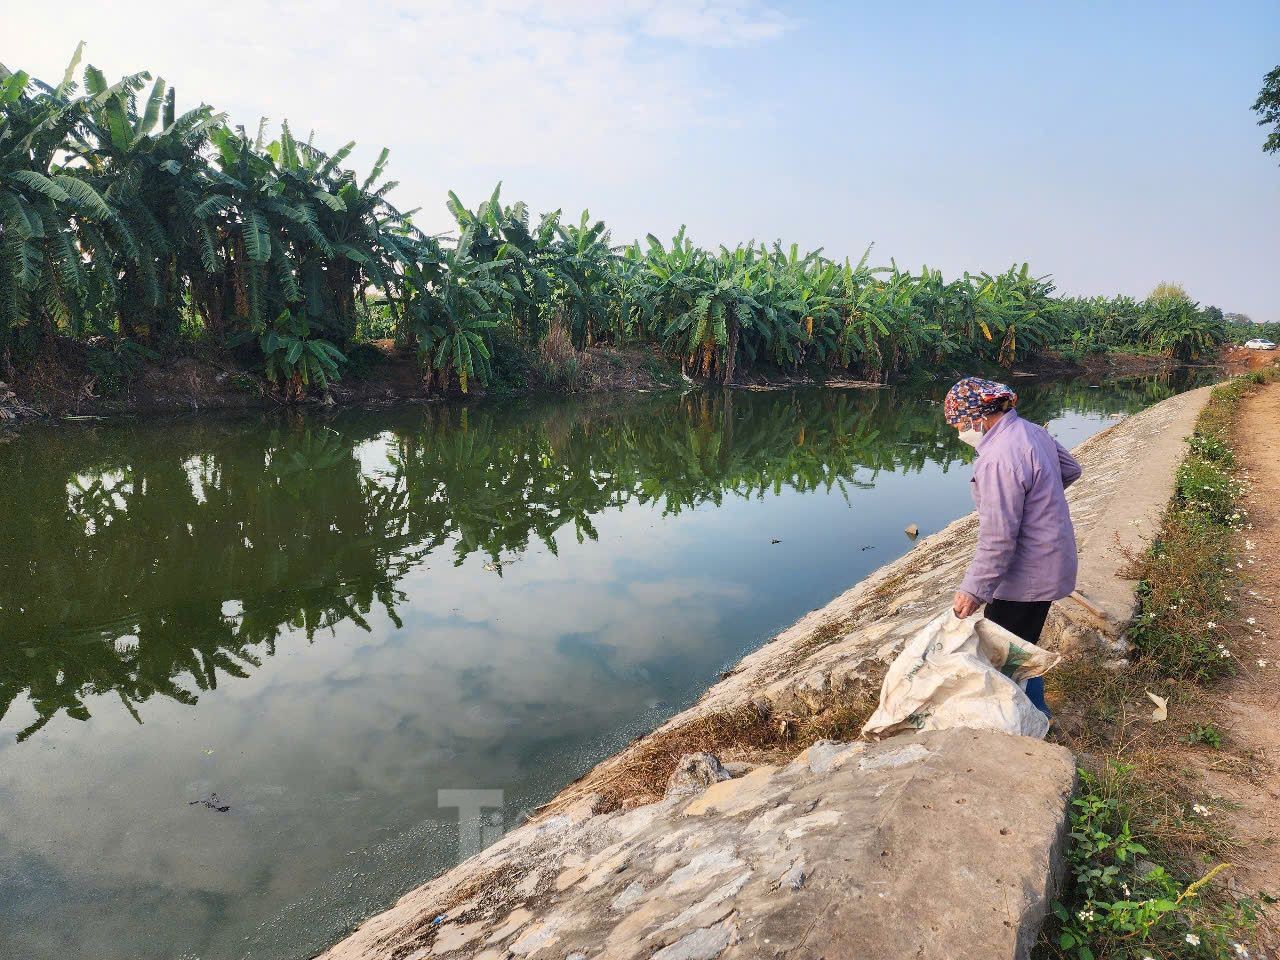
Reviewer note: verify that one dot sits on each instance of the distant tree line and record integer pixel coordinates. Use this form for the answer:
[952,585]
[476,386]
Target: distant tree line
[138,229]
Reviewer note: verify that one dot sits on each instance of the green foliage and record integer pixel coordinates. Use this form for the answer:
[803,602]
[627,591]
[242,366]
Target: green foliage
[661,371]
[374,321]
[1206,491]
[294,358]
[509,362]
[1124,906]
[119,216]
[563,376]
[1121,902]
[1178,328]
[1207,734]
[1267,106]
[1241,329]
[1189,571]
[115,364]
[1187,576]
[362,359]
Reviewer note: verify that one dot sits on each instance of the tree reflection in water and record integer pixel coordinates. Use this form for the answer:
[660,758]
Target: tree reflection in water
[146,559]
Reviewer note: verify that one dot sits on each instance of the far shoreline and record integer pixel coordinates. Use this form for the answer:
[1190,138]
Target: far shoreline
[61,388]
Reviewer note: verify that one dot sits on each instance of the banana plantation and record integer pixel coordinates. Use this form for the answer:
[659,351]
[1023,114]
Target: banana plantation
[144,231]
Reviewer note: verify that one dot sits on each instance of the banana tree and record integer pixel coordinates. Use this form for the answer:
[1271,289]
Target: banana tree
[150,168]
[1181,330]
[583,281]
[345,236]
[501,236]
[451,303]
[43,203]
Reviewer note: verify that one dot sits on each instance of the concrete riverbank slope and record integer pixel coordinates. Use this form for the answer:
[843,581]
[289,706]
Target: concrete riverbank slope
[938,845]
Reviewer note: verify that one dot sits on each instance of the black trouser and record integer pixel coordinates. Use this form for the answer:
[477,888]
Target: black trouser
[1023,619]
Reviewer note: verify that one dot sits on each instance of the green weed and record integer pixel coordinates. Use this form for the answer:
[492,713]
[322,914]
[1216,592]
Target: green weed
[1125,906]
[1207,734]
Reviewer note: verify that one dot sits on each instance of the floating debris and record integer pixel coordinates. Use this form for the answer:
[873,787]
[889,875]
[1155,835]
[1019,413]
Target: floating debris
[213,803]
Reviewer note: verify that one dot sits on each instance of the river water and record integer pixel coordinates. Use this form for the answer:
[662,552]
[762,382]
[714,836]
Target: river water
[240,656]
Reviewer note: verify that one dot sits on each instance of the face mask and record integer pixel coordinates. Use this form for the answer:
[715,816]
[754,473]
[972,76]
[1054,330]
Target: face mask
[971,436]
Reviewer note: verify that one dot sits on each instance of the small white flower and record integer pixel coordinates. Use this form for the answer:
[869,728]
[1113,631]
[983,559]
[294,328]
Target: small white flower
[1085,915]
[1262,663]
[1250,545]
[1211,625]
[1192,939]
[1204,812]
[1250,620]
[1241,950]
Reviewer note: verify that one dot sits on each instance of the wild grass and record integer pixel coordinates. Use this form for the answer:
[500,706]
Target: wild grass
[825,634]
[559,364]
[754,733]
[1145,854]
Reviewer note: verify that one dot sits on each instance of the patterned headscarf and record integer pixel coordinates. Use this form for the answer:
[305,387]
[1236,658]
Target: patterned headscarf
[974,398]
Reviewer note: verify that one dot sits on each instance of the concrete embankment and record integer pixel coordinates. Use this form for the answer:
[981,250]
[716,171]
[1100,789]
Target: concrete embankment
[938,845]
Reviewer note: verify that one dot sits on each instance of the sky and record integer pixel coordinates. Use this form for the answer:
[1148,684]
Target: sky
[1110,145]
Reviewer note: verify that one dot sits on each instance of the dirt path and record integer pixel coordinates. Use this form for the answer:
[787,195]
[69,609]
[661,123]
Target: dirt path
[1252,699]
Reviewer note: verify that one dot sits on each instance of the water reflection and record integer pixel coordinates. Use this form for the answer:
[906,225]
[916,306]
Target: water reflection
[325,619]
[145,561]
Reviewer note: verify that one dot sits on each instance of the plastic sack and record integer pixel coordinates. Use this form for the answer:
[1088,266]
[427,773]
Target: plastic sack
[961,673]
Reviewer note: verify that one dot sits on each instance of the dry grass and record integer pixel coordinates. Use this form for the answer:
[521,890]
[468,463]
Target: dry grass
[490,889]
[832,631]
[751,733]
[556,346]
[1104,717]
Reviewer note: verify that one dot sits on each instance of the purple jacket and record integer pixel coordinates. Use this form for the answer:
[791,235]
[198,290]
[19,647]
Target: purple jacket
[1026,545]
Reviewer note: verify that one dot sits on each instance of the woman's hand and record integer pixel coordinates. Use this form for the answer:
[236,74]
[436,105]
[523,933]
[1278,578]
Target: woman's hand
[964,605]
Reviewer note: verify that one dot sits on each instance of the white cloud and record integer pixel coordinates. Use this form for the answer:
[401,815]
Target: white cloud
[716,24]
[464,94]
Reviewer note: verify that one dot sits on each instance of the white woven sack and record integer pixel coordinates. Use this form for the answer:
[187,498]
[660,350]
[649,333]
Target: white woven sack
[961,673]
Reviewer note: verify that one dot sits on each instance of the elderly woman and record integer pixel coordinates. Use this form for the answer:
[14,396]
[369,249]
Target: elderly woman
[1026,556]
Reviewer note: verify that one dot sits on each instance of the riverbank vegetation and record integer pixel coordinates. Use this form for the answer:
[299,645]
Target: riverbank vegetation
[1148,853]
[133,232]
